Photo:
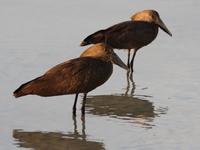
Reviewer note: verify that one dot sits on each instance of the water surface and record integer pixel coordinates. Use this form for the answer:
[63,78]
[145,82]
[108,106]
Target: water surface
[156,108]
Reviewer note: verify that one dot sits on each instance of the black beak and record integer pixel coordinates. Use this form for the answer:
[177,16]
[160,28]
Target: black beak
[116,60]
[161,24]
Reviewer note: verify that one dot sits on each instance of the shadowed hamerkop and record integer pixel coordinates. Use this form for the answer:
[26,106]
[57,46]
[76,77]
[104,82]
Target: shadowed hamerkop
[134,34]
[79,75]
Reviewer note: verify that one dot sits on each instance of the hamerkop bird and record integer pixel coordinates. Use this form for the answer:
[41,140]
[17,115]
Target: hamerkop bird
[79,75]
[135,34]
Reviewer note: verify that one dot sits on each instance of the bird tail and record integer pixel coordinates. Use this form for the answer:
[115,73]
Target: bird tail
[97,37]
[18,92]
[84,43]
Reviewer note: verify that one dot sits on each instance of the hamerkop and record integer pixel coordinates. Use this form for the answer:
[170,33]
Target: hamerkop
[139,32]
[79,75]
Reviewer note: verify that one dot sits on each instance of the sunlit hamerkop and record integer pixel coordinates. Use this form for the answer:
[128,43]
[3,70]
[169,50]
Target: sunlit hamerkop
[134,34]
[79,75]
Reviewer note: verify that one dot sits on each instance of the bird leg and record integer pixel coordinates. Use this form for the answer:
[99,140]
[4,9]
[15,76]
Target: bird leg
[135,50]
[83,105]
[74,106]
[128,65]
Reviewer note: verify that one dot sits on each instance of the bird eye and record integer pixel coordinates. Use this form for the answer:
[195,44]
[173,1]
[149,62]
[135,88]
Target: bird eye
[152,17]
[106,50]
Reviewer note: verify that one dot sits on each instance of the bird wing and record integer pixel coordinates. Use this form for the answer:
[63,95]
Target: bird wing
[124,35]
[73,76]
[56,81]
[100,36]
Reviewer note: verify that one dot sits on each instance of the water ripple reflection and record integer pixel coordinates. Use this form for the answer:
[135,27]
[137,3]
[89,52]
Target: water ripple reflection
[130,109]
[56,140]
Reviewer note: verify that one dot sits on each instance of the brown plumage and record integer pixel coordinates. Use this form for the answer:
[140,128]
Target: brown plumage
[134,34]
[79,75]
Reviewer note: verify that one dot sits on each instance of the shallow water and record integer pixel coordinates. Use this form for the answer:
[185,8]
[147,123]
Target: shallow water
[157,108]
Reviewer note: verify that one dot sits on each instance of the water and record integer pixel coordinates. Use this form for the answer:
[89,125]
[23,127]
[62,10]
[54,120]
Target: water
[159,109]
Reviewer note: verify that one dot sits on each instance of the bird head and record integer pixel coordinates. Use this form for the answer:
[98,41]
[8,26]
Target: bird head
[104,52]
[151,16]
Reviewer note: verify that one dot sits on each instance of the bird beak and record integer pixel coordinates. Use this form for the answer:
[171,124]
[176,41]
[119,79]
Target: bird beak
[117,61]
[161,24]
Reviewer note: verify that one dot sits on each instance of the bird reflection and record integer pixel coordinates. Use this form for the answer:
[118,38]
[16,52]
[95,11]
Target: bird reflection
[83,126]
[129,109]
[129,76]
[56,140]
